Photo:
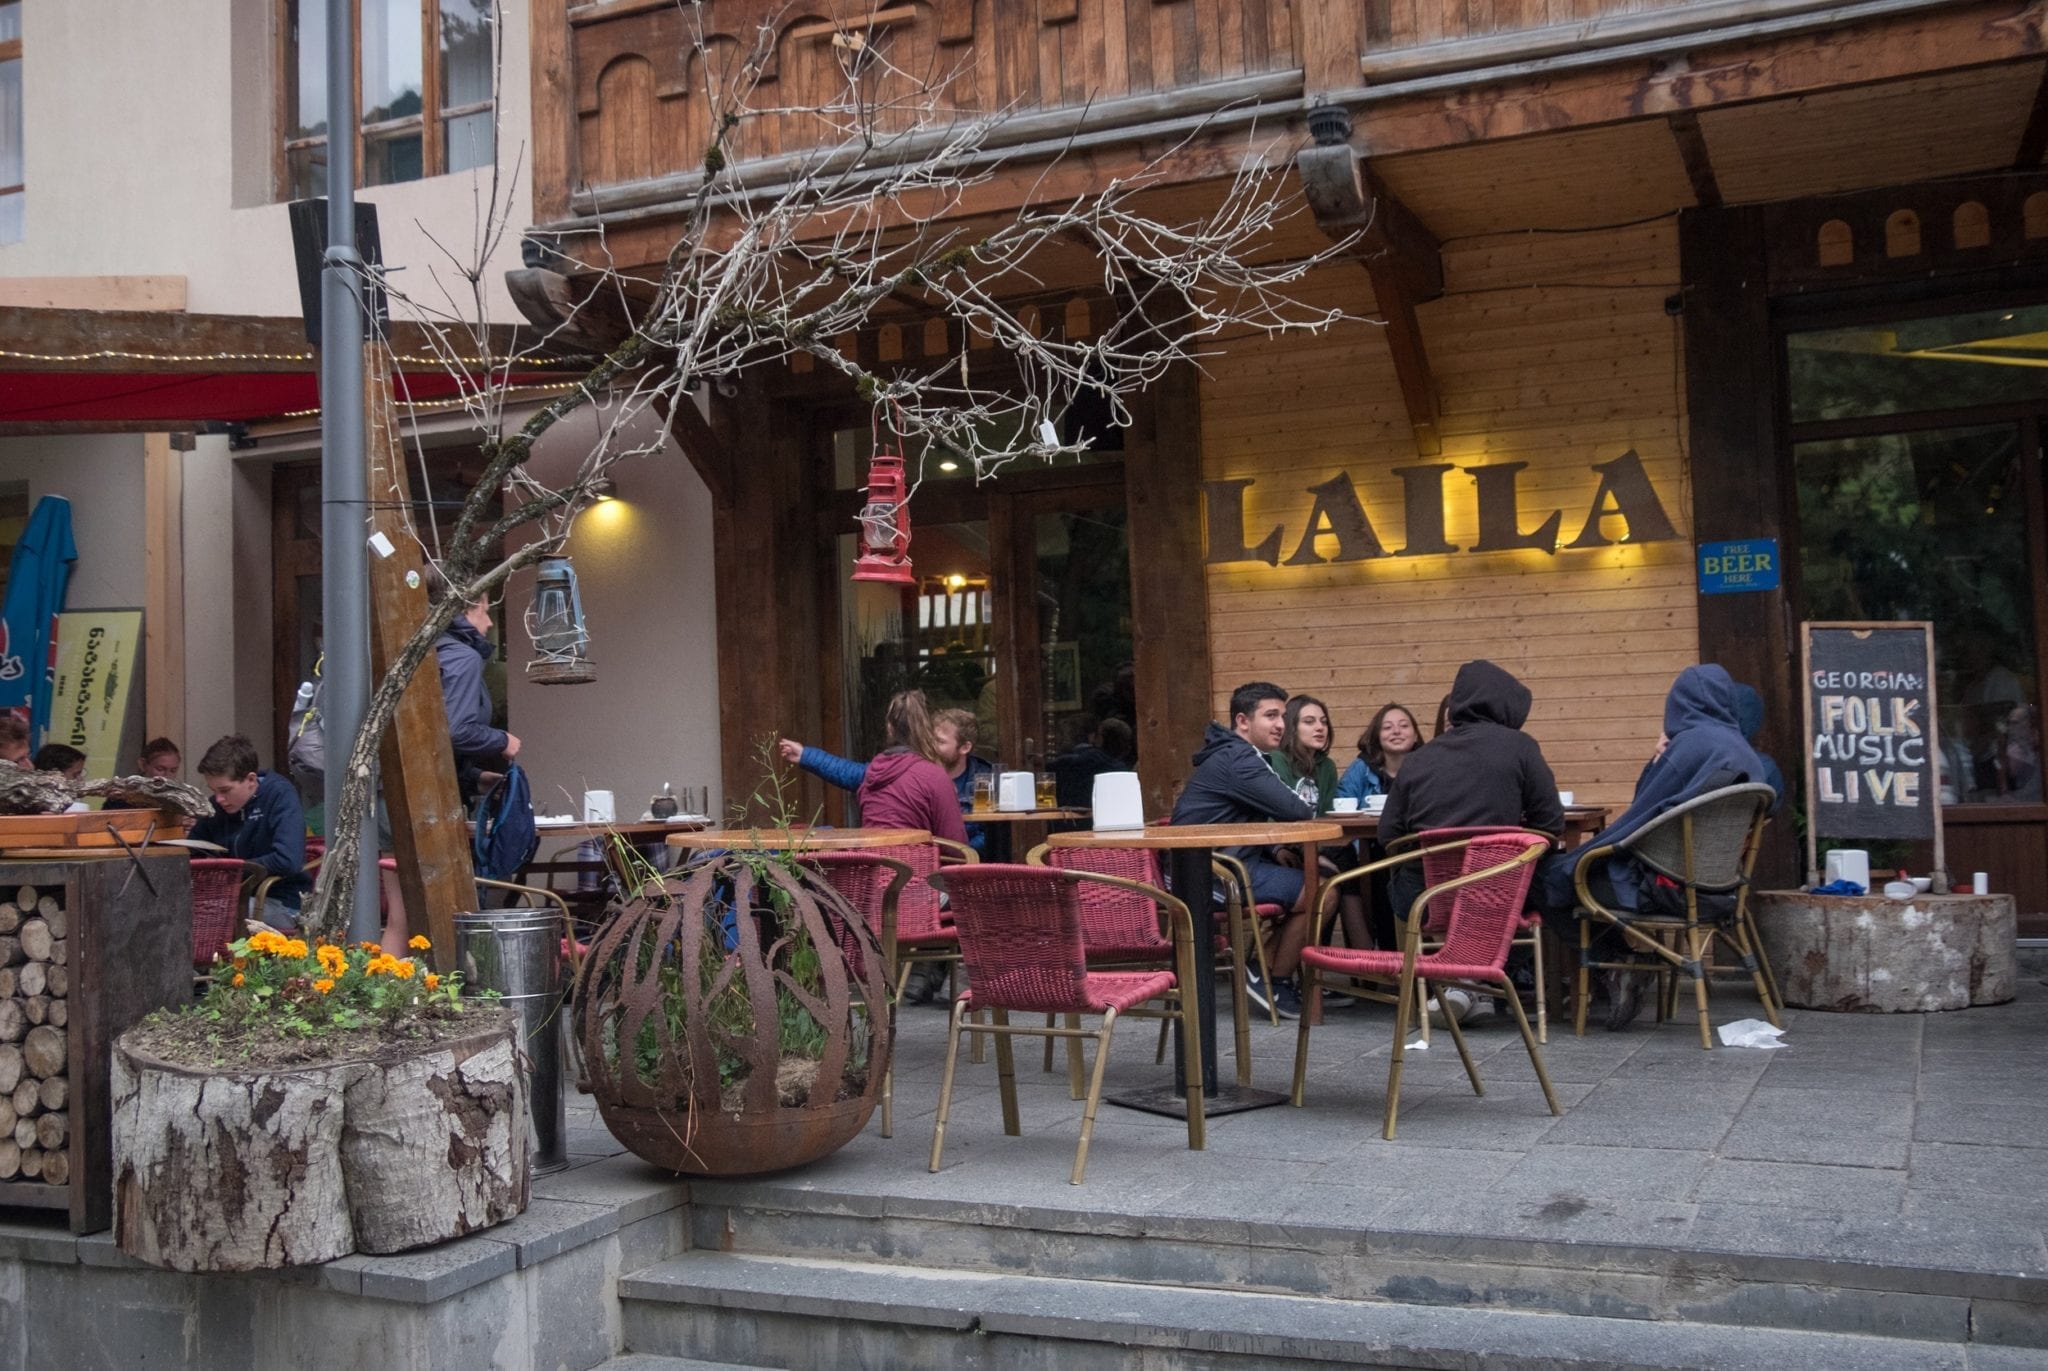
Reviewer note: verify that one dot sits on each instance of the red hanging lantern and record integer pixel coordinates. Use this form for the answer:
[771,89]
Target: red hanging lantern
[885,525]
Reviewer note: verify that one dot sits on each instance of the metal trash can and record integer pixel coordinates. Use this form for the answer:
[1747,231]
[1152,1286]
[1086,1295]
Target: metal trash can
[518,953]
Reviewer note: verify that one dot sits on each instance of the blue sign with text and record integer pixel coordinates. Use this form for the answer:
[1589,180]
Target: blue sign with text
[1751,564]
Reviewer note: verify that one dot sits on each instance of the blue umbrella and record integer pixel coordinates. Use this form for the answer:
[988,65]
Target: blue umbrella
[36,580]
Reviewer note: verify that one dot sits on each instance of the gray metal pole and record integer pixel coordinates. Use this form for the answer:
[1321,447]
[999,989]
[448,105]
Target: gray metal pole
[344,480]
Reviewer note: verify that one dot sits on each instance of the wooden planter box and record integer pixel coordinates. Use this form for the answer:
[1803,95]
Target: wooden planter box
[89,944]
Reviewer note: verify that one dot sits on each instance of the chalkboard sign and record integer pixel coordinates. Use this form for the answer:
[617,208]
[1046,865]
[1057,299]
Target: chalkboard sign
[1871,742]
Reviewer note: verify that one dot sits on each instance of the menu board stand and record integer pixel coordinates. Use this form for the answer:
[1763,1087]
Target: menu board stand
[1873,743]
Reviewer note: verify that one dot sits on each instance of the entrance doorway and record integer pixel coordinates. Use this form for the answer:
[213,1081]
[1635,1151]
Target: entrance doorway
[1020,614]
[1916,463]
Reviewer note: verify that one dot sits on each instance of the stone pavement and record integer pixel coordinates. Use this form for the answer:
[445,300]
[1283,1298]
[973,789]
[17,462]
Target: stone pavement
[1879,1139]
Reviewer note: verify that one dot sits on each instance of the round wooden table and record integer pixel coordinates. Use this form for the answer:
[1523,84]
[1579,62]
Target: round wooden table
[800,839]
[1580,823]
[1020,828]
[1188,848]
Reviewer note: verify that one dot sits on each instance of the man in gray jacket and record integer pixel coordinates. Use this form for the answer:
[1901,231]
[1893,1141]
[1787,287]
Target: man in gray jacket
[1232,784]
[461,652]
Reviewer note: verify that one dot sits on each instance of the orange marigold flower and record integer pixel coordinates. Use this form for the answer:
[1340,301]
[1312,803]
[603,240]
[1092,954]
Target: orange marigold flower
[419,943]
[369,947]
[433,981]
[241,962]
[293,947]
[403,970]
[323,985]
[237,982]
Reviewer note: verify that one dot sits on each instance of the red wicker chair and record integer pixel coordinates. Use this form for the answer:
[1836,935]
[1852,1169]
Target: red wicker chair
[216,907]
[873,884]
[1243,912]
[1444,866]
[1481,907]
[1021,932]
[1121,928]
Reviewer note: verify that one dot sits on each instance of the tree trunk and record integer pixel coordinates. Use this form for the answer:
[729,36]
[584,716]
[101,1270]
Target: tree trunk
[237,1171]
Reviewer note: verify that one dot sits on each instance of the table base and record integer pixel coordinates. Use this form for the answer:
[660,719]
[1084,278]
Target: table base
[1173,1104]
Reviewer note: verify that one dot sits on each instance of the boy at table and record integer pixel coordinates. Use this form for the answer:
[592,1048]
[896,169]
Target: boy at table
[1232,784]
[256,817]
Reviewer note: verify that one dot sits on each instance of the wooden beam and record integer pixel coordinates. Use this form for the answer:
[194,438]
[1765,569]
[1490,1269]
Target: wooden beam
[163,586]
[176,343]
[2034,138]
[586,313]
[1169,584]
[1401,256]
[430,835]
[1326,40]
[92,292]
[552,69]
[700,442]
[1699,161]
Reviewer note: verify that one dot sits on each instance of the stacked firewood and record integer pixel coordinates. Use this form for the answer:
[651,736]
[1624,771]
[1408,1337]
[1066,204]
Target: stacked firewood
[35,1007]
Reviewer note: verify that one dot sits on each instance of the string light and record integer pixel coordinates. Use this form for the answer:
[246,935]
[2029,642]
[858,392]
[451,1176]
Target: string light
[510,393]
[109,354]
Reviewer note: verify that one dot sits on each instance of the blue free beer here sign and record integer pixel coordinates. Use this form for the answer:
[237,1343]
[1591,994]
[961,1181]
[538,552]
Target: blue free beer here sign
[1726,568]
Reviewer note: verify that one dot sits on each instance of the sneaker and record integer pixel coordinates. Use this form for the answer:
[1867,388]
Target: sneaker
[1286,999]
[1255,988]
[1459,1002]
[1624,999]
[1337,999]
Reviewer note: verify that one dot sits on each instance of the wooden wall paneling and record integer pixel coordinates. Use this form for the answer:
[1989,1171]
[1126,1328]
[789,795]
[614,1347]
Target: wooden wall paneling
[1183,16]
[1138,56]
[2004,841]
[1169,600]
[552,69]
[1731,388]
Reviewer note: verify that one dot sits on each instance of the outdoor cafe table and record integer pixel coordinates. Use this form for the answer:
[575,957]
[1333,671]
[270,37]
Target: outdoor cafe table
[800,839]
[1026,825]
[1188,847]
[636,834]
[1580,823]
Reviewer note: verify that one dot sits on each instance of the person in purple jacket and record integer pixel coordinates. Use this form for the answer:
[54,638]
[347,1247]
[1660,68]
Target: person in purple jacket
[905,787]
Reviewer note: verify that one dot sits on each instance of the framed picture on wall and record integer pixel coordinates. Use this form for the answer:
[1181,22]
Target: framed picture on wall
[1062,676]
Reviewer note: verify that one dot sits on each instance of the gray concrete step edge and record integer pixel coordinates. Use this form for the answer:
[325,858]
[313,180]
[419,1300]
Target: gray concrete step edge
[938,1306]
[649,1361]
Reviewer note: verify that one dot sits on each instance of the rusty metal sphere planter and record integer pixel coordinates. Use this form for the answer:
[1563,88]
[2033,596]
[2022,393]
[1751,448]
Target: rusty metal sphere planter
[735,1018]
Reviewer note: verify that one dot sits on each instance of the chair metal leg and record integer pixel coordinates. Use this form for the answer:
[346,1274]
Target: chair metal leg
[1403,997]
[1240,1017]
[1191,1082]
[1422,1008]
[946,1082]
[1258,941]
[1763,962]
[1311,978]
[1094,1089]
[1582,984]
[1542,988]
[1159,1052]
[1696,947]
[1458,1037]
[1006,1074]
[1074,1059]
[977,1050]
[1759,969]
[1050,1021]
[1535,1057]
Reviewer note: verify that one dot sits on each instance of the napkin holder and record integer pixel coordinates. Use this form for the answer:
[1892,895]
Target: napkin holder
[1017,792]
[1118,802]
[1849,864]
[598,807]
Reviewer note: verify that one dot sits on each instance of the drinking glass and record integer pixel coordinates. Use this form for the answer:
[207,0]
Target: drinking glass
[1048,795]
[984,792]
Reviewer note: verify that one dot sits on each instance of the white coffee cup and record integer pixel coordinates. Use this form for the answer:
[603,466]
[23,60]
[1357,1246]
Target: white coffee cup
[1923,884]
[1980,883]
[1375,803]
[1566,798]
[1344,804]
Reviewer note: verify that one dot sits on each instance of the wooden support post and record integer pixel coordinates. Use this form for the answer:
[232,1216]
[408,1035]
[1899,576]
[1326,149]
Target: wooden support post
[1326,39]
[552,69]
[1698,159]
[700,443]
[163,588]
[429,834]
[1401,256]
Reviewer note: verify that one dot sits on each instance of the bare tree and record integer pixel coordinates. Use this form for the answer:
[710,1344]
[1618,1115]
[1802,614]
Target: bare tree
[771,264]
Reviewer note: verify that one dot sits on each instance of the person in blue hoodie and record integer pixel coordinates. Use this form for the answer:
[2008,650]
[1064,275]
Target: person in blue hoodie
[1232,784]
[1704,750]
[256,817]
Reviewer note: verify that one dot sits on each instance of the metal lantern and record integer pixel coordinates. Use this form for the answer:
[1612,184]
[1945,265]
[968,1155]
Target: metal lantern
[885,525]
[561,644]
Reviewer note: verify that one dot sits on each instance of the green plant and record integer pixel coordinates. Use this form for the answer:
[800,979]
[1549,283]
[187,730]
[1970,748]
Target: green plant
[282,984]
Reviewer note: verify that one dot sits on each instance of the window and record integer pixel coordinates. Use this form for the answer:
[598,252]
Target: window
[10,122]
[426,74]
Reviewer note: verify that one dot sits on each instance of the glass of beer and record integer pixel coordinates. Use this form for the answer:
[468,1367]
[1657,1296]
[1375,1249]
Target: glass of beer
[984,792]
[1048,797]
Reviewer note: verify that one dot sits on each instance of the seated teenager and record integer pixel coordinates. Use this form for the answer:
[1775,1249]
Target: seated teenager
[1302,761]
[1387,743]
[1482,770]
[66,761]
[953,735]
[256,817]
[1232,784]
[1704,749]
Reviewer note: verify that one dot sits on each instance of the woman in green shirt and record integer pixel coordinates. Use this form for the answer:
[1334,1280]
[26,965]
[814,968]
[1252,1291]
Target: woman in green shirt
[1302,761]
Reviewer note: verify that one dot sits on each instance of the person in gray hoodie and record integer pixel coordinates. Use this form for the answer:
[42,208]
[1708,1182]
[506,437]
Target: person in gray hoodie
[1232,784]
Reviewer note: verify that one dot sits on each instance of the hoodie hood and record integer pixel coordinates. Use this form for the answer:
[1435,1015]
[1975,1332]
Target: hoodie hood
[1749,711]
[1216,737]
[1485,693]
[890,766]
[464,632]
[1703,695]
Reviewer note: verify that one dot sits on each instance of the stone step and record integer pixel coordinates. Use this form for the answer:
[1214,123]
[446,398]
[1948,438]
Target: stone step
[807,1312]
[1886,1286]
[649,1361]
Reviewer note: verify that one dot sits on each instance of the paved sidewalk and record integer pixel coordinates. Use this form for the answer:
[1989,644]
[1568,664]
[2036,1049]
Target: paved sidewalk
[1881,1139]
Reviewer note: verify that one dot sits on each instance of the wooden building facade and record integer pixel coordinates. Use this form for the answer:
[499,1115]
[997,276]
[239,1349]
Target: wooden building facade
[1636,277]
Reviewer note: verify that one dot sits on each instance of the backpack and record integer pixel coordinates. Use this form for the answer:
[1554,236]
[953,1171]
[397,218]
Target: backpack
[305,751]
[506,838]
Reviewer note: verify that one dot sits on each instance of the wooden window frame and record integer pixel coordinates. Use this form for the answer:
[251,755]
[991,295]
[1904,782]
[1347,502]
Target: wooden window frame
[429,121]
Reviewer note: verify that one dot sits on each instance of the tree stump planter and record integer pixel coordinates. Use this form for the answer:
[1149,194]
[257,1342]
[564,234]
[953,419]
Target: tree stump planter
[240,1170]
[1875,955]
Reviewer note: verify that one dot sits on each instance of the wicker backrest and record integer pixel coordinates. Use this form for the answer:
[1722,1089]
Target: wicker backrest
[862,880]
[918,916]
[1705,842]
[1020,937]
[1482,918]
[216,901]
[1116,922]
[1438,867]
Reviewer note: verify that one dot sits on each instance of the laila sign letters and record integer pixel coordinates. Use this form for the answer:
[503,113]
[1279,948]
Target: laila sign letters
[1623,494]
